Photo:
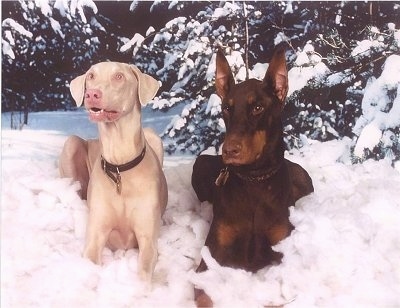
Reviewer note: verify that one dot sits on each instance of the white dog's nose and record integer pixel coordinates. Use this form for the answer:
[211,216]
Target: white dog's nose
[93,94]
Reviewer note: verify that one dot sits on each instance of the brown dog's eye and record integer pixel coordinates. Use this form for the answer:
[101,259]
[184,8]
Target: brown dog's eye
[257,109]
[226,108]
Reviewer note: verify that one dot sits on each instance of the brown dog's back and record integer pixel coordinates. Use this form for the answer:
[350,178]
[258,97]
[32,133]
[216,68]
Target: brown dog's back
[301,182]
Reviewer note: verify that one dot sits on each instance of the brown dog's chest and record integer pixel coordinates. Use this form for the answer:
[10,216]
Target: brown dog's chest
[249,218]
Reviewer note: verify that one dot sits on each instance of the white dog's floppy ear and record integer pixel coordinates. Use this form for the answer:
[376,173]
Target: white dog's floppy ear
[77,88]
[147,86]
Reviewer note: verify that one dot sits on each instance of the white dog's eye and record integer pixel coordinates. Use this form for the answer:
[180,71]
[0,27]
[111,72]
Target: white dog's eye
[90,76]
[119,76]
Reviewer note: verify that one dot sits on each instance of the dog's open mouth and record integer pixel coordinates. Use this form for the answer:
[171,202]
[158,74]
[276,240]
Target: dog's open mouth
[99,115]
[98,110]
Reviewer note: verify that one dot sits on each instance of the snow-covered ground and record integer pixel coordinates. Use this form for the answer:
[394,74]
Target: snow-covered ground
[344,252]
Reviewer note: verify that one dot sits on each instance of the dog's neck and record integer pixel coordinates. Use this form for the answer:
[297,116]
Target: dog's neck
[269,160]
[122,140]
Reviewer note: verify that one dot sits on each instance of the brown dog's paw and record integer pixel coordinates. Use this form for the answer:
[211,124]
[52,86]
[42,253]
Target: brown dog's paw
[202,299]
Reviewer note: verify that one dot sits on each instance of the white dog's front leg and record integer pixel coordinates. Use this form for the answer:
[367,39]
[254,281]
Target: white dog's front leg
[147,259]
[146,227]
[96,239]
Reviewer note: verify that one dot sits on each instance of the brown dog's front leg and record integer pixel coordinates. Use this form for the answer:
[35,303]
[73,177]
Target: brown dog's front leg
[200,296]
[202,299]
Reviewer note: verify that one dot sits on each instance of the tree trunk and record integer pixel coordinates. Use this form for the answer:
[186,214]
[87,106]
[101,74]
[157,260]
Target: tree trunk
[246,44]
[26,113]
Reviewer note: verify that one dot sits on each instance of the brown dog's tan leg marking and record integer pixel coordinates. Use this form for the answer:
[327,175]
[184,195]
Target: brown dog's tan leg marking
[277,233]
[226,234]
[202,299]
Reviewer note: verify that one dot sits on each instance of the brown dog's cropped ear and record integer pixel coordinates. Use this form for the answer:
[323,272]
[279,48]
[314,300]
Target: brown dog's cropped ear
[223,75]
[77,88]
[147,86]
[276,77]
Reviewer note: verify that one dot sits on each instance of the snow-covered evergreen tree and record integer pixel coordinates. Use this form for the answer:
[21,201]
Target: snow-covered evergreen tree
[181,55]
[345,59]
[327,76]
[43,45]
[339,55]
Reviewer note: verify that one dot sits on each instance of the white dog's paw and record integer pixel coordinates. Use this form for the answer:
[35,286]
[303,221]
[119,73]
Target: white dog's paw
[146,281]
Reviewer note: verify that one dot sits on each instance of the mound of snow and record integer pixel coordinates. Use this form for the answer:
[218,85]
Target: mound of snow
[344,251]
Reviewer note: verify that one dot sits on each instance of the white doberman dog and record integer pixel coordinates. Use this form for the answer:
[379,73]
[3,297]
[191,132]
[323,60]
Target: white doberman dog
[120,173]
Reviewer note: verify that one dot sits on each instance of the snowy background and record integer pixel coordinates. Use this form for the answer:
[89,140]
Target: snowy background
[343,107]
[343,60]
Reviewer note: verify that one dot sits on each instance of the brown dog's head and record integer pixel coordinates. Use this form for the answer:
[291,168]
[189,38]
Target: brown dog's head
[252,111]
[111,89]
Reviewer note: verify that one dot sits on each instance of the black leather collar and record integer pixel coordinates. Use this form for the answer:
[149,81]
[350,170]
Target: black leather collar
[110,169]
[256,176]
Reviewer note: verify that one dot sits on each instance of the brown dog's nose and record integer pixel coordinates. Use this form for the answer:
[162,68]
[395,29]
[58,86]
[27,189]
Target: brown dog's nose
[93,94]
[231,149]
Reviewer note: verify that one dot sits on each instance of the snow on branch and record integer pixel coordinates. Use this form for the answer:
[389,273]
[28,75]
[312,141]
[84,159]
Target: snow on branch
[9,22]
[137,40]
[78,5]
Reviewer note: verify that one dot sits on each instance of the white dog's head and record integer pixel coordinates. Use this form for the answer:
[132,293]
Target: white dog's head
[111,89]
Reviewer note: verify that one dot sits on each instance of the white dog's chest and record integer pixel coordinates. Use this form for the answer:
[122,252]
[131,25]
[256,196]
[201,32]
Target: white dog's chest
[122,235]
[121,239]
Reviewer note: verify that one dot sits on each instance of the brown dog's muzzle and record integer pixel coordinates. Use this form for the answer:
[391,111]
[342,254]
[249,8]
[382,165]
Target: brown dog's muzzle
[243,149]
[231,150]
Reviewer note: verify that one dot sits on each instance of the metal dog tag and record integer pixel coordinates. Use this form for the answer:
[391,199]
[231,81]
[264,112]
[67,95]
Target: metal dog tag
[222,177]
[118,182]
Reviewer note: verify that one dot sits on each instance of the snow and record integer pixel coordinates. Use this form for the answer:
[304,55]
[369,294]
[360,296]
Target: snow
[7,49]
[397,37]
[134,5]
[172,4]
[368,139]
[178,21]
[77,6]
[44,7]
[225,11]
[136,40]
[299,76]
[375,101]
[258,71]
[308,65]
[8,22]
[55,25]
[280,37]
[364,48]
[302,59]
[214,105]
[150,30]
[288,8]
[307,56]
[62,7]
[344,251]
[168,62]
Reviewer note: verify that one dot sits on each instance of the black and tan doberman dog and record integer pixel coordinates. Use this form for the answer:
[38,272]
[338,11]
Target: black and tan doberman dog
[251,185]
